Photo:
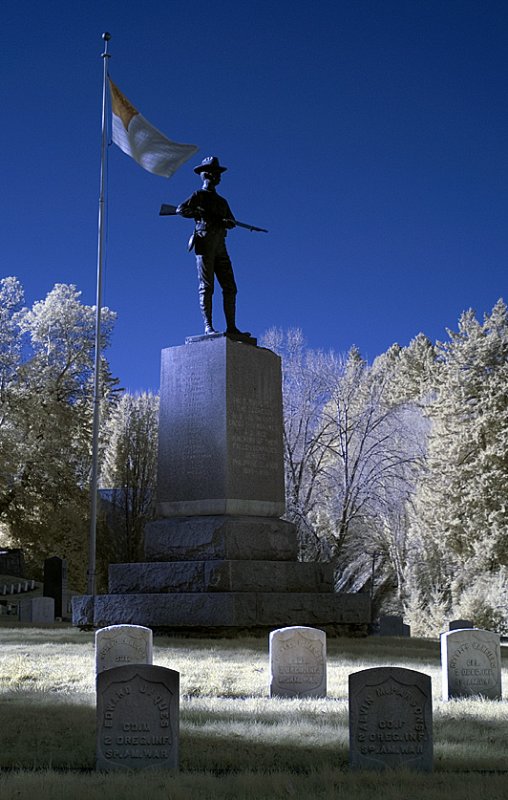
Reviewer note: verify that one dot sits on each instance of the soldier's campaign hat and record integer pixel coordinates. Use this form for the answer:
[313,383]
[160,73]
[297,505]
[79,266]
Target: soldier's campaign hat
[209,164]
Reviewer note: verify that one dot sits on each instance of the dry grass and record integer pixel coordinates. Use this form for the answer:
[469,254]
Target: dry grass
[236,742]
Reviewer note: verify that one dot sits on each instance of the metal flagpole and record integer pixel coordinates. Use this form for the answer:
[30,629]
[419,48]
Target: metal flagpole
[97,368]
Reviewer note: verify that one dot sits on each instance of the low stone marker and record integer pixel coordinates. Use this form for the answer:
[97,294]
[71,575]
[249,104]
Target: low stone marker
[390,719]
[457,624]
[471,663]
[39,610]
[122,644]
[393,625]
[137,718]
[298,662]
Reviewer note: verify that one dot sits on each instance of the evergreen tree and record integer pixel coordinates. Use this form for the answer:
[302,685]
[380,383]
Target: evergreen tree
[460,526]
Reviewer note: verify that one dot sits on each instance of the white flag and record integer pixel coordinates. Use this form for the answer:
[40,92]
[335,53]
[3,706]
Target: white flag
[145,144]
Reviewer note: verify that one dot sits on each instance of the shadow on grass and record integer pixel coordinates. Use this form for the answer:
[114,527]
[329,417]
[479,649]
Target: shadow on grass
[40,735]
[40,731]
[472,741]
[478,746]
[225,753]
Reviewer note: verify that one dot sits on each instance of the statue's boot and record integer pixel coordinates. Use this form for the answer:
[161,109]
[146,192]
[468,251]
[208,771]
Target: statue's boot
[205,302]
[230,314]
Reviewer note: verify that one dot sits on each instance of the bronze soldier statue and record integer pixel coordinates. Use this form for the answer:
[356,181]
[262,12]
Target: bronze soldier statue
[213,217]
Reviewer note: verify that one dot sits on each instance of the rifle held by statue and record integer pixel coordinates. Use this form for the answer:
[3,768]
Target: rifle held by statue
[168,210]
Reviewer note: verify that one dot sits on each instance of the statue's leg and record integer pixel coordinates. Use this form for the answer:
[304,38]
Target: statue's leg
[205,277]
[226,278]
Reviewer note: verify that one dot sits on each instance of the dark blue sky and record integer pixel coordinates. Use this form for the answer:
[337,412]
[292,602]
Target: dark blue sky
[370,138]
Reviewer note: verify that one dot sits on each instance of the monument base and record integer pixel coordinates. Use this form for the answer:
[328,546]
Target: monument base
[214,610]
[223,574]
[219,576]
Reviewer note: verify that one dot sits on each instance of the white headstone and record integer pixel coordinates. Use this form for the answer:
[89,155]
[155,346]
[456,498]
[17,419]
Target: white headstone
[137,718]
[117,645]
[298,662]
[390,719]
[471,663]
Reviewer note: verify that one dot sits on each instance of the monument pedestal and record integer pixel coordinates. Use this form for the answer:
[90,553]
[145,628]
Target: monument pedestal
[219,557]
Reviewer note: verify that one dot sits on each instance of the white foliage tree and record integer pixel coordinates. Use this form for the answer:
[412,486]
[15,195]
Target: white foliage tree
[374,450]
[48,386]
[352,449]
[11,313]
[309,378]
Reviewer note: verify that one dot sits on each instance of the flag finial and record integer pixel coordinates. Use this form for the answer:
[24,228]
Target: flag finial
[106,37]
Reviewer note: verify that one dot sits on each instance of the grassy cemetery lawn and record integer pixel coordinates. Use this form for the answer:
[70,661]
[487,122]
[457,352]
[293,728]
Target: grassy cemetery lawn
[235,742]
